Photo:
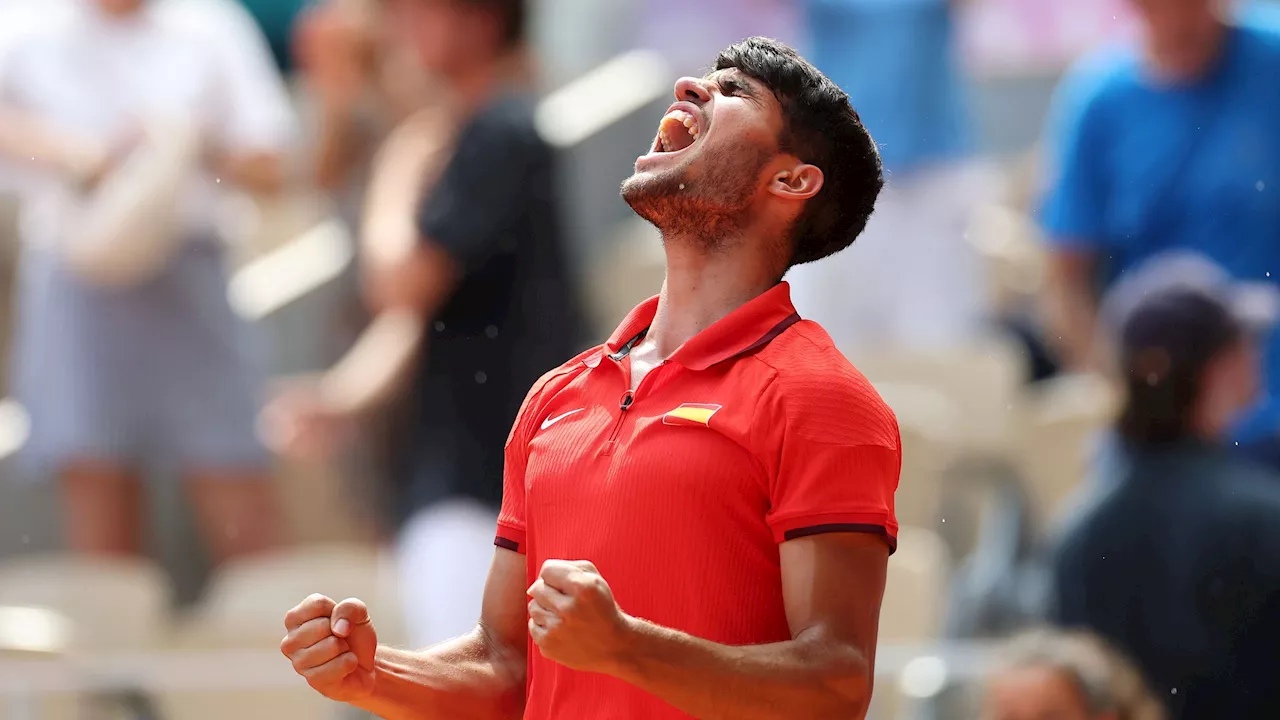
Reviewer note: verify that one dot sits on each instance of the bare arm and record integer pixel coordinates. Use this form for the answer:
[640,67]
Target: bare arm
[832,585]
[479,676]
[24,138]
[385,353]
[1071,308]
[259,173]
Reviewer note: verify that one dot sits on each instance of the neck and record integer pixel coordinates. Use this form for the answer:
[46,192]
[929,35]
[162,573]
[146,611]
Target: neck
[702,287]
[1176,68]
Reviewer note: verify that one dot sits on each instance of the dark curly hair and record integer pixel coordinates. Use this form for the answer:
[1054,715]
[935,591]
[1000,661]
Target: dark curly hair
[821,128]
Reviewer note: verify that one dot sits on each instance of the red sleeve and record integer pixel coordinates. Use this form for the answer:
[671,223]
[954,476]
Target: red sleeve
[511,518]
[836,456]
[511,521]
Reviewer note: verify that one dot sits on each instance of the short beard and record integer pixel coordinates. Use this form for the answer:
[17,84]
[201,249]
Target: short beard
[708,207]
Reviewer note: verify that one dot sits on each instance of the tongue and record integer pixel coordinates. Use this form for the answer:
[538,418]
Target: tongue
[675,134]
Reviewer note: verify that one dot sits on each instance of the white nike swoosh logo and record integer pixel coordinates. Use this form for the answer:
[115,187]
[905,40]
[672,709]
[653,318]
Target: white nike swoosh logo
[552,421]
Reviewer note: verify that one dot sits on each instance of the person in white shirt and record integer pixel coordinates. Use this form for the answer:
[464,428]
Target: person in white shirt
[124,122]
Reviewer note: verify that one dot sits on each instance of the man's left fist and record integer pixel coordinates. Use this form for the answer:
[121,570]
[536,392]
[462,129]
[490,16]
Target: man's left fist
[573,617]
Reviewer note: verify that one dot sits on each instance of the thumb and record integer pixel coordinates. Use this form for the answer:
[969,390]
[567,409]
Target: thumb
[350,621]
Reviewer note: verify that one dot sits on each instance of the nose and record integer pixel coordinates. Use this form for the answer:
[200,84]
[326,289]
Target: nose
[693,90]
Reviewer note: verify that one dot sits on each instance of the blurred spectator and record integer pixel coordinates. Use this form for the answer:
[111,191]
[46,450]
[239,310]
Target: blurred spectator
[474,297]
[126,120]
[1166,145]
[912,280]
[1049,675]
[363,81]
[1178,562]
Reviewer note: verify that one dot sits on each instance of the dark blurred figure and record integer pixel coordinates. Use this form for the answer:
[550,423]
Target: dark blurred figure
[1178,562]
[1170,145]
[1049,675]
[465,268]
[130,119]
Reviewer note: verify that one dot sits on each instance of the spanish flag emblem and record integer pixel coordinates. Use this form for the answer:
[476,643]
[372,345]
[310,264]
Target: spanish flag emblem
[691,414]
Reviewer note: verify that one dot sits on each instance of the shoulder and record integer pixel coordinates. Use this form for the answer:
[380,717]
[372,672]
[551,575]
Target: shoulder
[1259,30]
[219,20]
[508,118]
[1098,81]
[821,394]
[555,380]
[1251,493]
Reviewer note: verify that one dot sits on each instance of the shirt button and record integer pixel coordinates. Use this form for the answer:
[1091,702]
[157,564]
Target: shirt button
[491,332]
[439,326]
[481,378]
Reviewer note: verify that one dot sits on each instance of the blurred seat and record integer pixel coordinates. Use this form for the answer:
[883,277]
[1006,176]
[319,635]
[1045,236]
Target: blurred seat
[1062,419]
[915,588]
[981,381]
[914,604]
[113,605]
[1008,242]
[244,609]
[61,605]
[927,421]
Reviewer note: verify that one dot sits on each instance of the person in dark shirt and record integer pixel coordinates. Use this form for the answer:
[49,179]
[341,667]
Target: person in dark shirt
[466,269]
[1178,562]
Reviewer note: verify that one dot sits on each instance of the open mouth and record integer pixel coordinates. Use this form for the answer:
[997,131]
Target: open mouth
[677,131]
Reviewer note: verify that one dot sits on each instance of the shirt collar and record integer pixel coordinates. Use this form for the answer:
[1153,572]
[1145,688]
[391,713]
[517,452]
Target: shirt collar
[742,331]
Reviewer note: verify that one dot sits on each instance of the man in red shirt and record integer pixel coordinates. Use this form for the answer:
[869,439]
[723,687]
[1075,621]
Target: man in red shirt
[697,515]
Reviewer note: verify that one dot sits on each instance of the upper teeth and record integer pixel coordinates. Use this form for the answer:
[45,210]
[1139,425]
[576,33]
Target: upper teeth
[683,118]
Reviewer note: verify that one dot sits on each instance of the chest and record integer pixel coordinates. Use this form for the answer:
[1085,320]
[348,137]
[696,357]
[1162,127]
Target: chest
[672,454]
[94,82]
[1190,170]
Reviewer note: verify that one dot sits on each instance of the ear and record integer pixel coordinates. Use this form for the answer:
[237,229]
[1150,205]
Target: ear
[799,182]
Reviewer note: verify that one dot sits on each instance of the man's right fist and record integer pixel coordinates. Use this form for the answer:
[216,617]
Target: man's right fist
[332,645]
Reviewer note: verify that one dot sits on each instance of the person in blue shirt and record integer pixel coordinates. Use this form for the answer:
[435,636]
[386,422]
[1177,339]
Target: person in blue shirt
[911,281]
[1168,144]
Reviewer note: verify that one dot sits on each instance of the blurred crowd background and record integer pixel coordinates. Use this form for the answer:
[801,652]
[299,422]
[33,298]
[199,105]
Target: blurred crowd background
[275,275]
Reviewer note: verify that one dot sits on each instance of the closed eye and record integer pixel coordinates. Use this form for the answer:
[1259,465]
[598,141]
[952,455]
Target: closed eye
[731,88]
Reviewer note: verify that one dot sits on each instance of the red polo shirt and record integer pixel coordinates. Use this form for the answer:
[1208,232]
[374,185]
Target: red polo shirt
[756,431]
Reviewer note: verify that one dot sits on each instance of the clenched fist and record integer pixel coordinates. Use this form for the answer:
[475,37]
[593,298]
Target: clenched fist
[574,619]
[332,645]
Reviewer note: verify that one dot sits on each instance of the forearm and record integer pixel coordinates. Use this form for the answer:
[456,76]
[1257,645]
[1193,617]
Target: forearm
[25,138]
[402,173]
[338,147]
[827,678]
[470,678]
[258,173]
[376,366]
[1073,325]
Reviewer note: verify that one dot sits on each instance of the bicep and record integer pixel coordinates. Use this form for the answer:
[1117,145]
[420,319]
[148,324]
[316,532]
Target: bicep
[833,584]
[504,611]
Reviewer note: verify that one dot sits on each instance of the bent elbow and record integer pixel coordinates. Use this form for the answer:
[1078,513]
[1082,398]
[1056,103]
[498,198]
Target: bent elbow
[849,690]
